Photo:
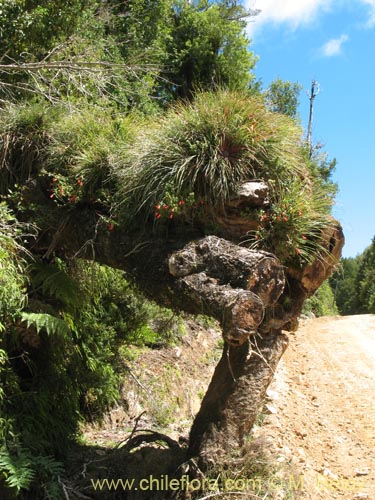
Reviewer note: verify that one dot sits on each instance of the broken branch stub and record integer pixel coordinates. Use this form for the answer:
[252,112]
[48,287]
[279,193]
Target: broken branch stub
[229,282]
[250,194]
[240,267]
[239,311]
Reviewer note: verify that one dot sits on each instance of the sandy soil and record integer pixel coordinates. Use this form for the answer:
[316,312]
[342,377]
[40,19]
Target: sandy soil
[322,410]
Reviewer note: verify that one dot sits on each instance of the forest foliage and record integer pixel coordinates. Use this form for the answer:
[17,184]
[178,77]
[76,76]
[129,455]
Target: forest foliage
[354,283]
[109,104]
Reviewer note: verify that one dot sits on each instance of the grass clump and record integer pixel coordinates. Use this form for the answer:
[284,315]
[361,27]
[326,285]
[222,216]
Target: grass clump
[85,145]
[253,473]
[69,154]
[24,137]
[190,163]
[210,146]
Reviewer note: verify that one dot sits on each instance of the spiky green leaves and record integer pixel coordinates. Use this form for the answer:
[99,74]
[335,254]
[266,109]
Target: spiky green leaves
[293,224]
[209,147]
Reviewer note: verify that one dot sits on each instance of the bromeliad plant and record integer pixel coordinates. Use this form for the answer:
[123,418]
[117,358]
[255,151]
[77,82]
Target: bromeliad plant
[205,149]
[208,147]
[71,153]
[292,226]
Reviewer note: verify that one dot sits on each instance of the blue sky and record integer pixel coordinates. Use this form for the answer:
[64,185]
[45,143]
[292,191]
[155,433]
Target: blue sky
[333,42]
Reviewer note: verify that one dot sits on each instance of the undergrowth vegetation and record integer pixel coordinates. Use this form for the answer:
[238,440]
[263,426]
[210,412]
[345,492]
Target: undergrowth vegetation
[252,473]
[63,329]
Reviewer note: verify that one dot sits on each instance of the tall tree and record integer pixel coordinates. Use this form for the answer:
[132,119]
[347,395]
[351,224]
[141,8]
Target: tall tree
[30,28]
[354,283]
[222,164]
[365,281]
[343,282]
[283,97]
[208,47]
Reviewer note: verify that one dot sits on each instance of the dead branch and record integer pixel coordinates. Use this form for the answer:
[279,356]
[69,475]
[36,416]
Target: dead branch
[89,66]
[120,445]
[150,437]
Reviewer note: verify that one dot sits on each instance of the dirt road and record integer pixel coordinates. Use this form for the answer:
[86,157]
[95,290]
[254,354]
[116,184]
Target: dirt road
[323,408]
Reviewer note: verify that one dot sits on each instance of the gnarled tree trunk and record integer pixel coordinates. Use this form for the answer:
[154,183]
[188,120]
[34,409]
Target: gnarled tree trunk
[249,292]
[234,398]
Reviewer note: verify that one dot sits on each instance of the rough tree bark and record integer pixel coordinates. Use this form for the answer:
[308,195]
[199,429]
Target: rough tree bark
[232,283]
[234,398]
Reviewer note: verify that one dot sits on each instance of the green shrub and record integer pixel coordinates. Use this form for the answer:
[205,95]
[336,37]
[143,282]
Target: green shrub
[322,303]
[63,328]
[24,138]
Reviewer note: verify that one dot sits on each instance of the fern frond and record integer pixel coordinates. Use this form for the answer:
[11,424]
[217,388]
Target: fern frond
[22,468]
[47,322]
[55,282]
[17,469]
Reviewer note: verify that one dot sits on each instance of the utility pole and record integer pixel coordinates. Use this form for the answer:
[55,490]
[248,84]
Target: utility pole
[315,89]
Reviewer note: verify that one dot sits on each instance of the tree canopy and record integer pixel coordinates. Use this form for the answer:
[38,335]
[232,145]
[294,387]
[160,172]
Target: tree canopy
[155,51]
[354,283]
[283,97]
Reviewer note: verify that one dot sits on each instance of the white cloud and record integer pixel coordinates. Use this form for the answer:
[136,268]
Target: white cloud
[296,13]
[333,47]
[291,12]
[371,19]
